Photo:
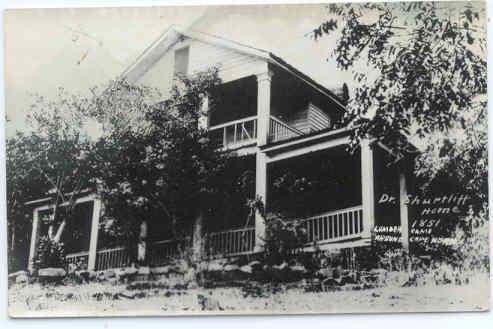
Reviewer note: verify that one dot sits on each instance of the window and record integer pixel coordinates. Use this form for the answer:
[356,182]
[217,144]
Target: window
[181,60]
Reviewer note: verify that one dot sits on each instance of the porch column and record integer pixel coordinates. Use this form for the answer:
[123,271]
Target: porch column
[93,243]
[367,188]
[263,107]
[404,215]
[204,113]
[34,241]
[142,244]
[261,192]
[198,238]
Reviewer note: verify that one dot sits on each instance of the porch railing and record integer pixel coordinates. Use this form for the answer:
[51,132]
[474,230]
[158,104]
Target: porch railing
[112,258]
[79,259]
[231,242]
[335,225]
[279,130]
[162,252]
[236,133]
[332,226]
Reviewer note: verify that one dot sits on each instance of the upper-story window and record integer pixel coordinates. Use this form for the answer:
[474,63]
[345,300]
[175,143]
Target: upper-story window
[181,60]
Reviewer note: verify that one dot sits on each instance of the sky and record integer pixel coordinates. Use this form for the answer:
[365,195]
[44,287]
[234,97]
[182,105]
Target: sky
[79,48]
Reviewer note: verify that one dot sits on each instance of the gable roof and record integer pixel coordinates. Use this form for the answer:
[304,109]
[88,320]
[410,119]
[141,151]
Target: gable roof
[173,34]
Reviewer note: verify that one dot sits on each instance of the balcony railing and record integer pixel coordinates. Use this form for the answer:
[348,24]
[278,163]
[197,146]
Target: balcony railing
[234,134]
[279,130]
[242,132]
[231,242]
[334,226]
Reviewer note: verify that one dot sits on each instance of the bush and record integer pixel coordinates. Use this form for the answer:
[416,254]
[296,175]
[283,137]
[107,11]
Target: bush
[283,239]
[464,260]
[50,253]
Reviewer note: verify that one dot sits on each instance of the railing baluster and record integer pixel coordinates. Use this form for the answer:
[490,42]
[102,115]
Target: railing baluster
[354,222]
[231,242]
[336,226]
[104,261]
[225,139]
[346,229]
[340,225]
[360,215]
[331,222]
[326,231]
[315,230]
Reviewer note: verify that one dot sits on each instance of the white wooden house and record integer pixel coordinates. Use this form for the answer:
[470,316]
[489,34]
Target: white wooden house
[279,116]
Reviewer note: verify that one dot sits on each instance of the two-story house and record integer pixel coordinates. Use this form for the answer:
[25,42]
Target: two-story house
[277,118]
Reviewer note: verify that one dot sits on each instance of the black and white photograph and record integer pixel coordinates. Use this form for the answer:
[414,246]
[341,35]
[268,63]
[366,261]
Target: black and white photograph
[247,159]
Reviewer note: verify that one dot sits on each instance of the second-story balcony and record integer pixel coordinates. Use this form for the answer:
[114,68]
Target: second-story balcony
[243,132]
[240,108]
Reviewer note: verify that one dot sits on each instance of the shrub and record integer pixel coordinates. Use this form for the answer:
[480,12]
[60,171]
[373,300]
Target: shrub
[50,253]
[464,260]
[282,240]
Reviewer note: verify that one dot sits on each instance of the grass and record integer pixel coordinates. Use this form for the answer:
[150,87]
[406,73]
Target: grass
[112,299]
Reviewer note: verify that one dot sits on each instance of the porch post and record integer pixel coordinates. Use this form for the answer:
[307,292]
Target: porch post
[263,106]
[263,123]
[198,238]
[142,244]
[204,113]
[367,188]
[404,215]
[93,243]
[260,191]
[34,241]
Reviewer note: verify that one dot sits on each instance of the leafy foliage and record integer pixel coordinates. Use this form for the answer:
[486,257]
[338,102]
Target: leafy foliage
[458,263]
[282,240]
[148,158]
[50,253]
[48,160]
[165,170]
[460,155]
[419,67]
[420,78]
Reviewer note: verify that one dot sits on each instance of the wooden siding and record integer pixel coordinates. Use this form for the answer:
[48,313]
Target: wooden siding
[300,122]
[310,119]
[232,64]
[318,119]
[203,56]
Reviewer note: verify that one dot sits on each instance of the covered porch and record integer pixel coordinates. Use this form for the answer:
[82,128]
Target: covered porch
[322,192]
[335,200]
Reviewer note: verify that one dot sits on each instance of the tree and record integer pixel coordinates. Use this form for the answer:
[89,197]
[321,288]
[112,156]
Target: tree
[23,184]
[164,170]
[47,161]
[420,68]
[147,158]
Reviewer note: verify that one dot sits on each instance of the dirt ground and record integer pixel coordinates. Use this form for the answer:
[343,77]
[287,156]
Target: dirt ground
[106,299]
